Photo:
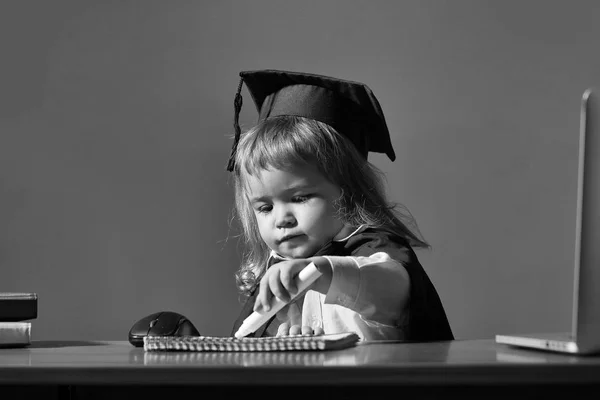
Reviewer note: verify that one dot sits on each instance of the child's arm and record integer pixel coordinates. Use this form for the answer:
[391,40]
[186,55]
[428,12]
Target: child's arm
[377,287]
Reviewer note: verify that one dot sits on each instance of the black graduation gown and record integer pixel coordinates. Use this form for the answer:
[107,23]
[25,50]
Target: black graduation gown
[427,318]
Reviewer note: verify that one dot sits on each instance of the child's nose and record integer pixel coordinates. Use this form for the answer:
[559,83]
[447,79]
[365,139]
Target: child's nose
[285,219]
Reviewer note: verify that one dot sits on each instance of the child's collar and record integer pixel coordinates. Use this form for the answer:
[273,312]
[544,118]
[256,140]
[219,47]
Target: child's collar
[344,239]
[279,257]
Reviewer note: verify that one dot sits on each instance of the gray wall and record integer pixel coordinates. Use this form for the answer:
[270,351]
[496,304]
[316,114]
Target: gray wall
[115,118]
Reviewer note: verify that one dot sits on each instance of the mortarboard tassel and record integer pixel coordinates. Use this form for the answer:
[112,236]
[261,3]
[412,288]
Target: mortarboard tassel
[237,105]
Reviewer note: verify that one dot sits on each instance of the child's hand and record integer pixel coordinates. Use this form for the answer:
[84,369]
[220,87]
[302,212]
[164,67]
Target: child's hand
[286,330]
[279,281]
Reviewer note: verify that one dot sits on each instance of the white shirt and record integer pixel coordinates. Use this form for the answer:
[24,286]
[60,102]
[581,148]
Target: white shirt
[367,295]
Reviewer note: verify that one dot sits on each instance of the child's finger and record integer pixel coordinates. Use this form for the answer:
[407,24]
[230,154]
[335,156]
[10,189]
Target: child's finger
[258,305]
[263,300]
[295,330]
[277,288]
[287,280]
[284,329]
[307,330]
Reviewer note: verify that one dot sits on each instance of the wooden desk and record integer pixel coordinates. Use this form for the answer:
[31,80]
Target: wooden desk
[459,368]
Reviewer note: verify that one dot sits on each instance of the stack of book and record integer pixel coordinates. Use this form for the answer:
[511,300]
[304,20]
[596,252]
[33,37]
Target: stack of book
[16,312]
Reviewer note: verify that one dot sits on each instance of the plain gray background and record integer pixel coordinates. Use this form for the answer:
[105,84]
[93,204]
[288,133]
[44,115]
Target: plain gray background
[115,126]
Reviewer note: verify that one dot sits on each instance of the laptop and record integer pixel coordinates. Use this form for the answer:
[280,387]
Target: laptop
[584,337]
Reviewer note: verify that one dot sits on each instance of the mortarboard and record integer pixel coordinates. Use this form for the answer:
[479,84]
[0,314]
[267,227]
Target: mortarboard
[349,107]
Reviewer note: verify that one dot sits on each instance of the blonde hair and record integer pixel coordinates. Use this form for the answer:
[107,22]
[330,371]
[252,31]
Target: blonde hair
[285,141]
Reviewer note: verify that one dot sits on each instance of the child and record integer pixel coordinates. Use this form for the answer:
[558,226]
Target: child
[305,192]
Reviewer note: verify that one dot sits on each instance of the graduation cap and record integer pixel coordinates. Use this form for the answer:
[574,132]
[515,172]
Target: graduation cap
[349,107]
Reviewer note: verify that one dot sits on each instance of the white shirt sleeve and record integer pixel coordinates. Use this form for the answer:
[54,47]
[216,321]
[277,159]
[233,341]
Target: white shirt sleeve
[376,287]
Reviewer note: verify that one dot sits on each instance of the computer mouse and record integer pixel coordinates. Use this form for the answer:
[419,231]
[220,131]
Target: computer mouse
[162,323]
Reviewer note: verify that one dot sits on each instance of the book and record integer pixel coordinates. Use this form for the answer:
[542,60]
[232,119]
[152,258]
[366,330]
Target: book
[15,334]
[16,306]
[333,341]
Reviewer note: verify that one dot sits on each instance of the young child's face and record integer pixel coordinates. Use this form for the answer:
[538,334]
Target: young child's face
[294,209]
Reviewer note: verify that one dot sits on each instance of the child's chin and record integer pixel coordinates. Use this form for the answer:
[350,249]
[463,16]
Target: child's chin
[296,253]
[293,254]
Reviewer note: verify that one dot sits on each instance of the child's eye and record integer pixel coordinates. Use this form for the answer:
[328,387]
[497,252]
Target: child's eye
[264,209]
[301,199]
